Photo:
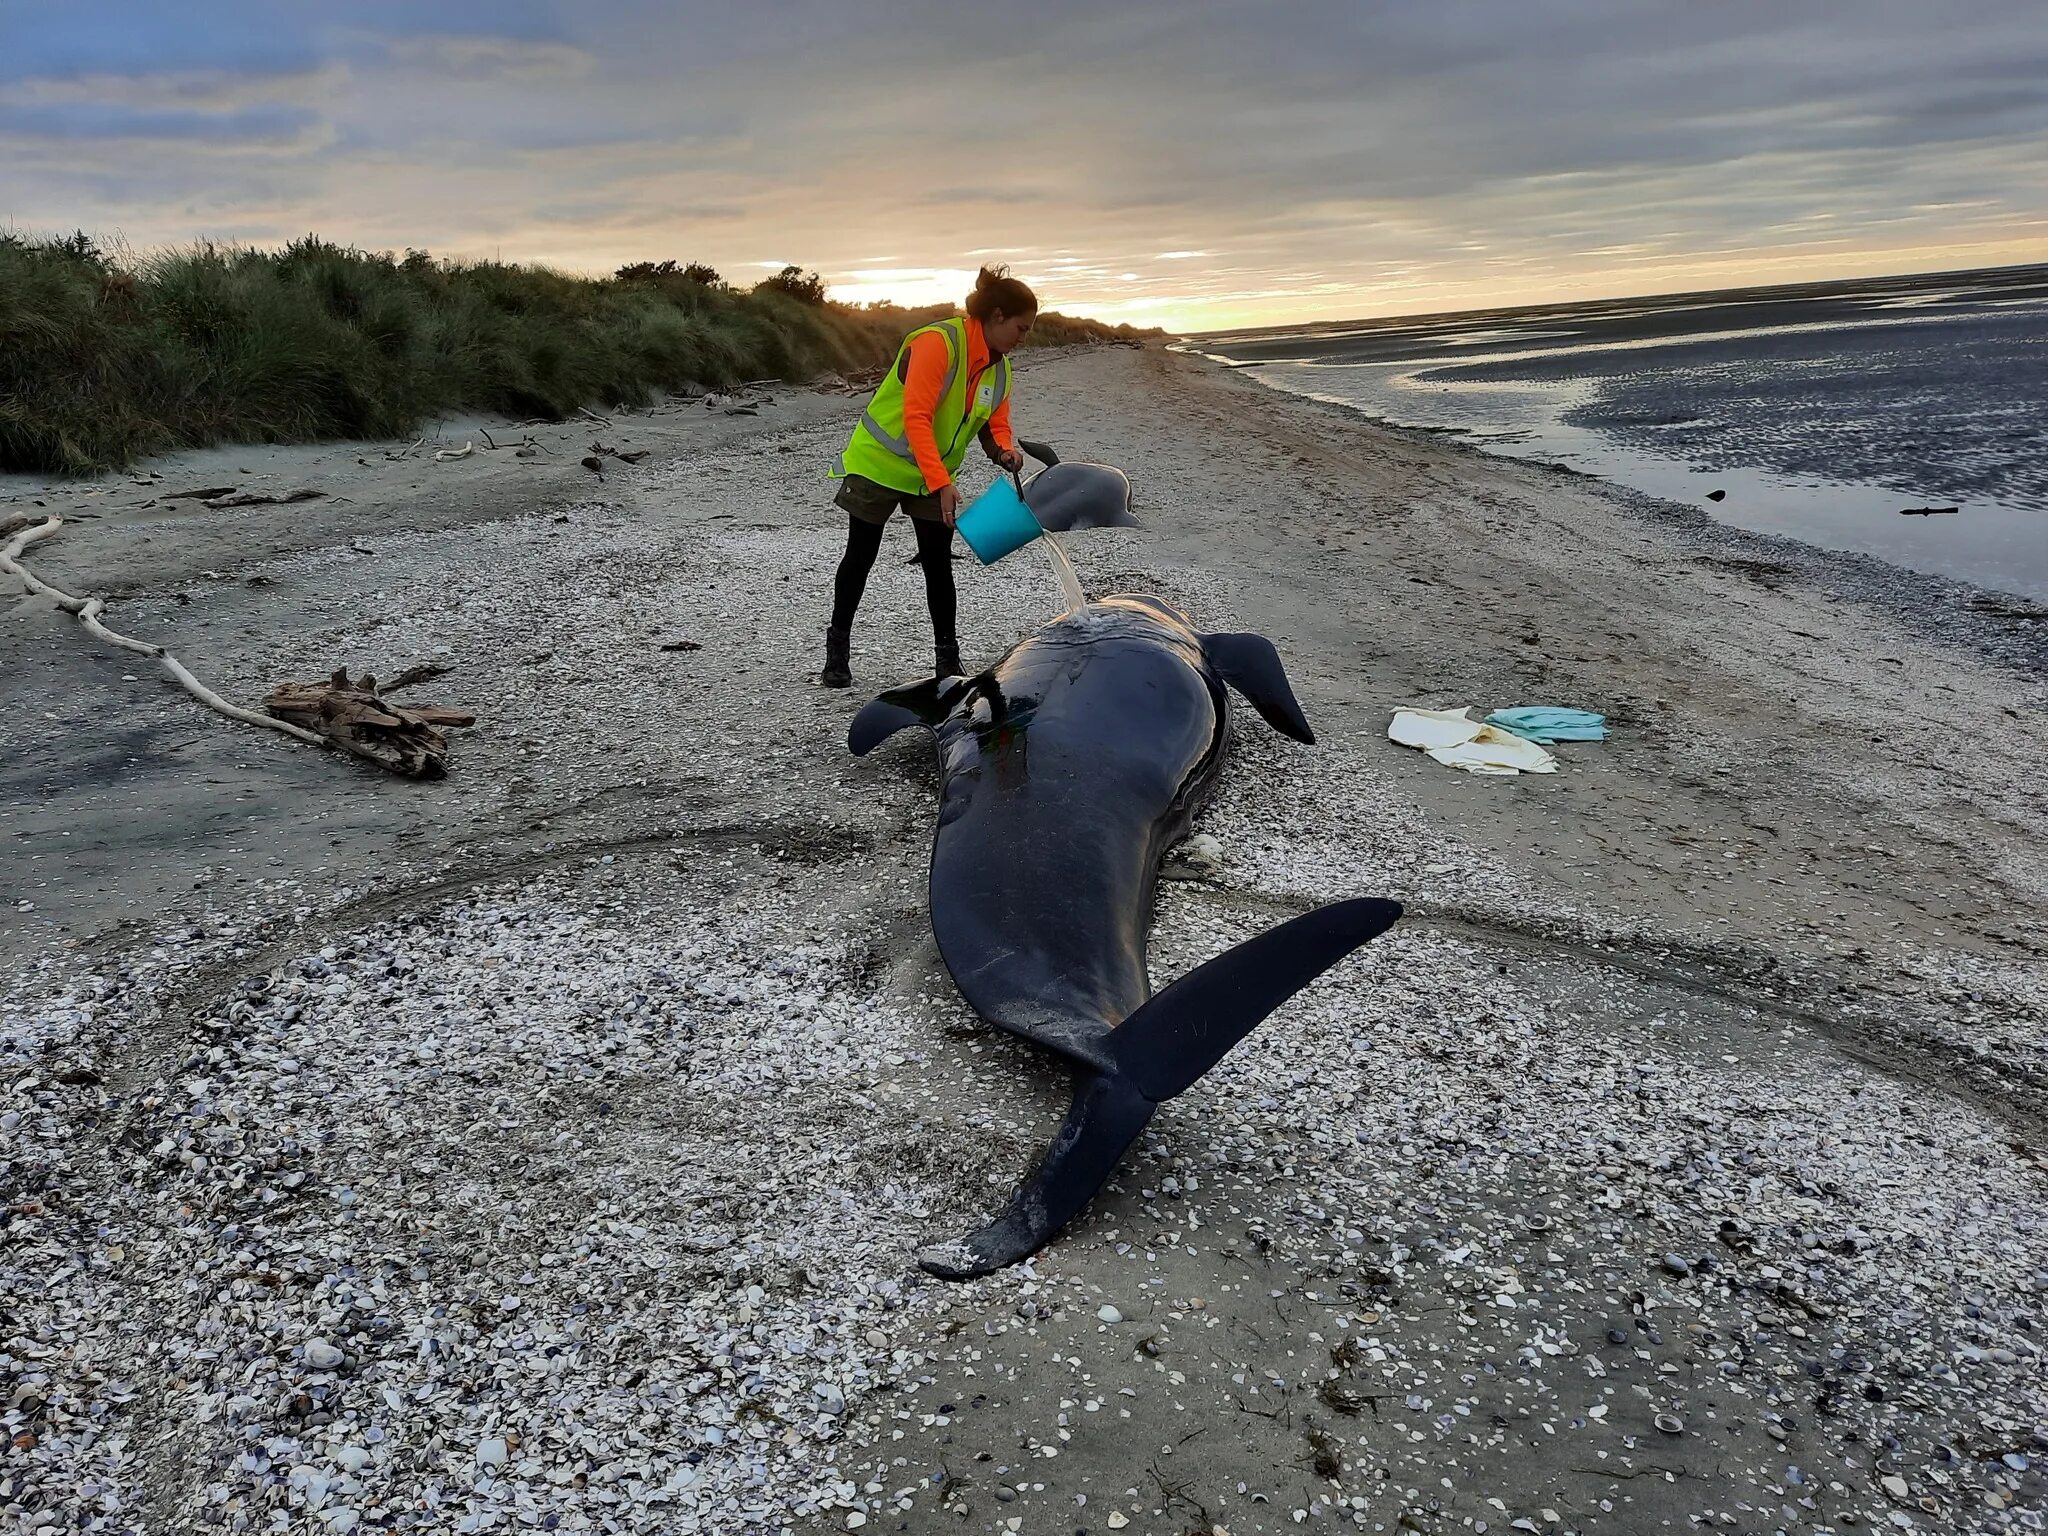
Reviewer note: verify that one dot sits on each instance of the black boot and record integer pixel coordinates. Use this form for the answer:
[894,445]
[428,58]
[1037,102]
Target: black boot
[946,655]
[838,671]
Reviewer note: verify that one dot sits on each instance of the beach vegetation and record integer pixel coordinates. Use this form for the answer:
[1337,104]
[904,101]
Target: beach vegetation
[106,358]
[794,283]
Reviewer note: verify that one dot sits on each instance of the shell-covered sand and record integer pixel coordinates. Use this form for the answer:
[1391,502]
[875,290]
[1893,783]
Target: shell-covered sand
[546,1148]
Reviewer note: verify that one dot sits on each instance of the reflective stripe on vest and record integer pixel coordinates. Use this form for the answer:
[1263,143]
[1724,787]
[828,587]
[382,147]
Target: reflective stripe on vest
[900,446]
[894,442]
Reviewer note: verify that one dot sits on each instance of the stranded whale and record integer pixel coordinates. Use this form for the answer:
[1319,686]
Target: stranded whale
[1070,767]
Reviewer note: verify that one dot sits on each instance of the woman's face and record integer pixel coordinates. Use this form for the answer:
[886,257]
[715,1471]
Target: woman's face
[1005,331]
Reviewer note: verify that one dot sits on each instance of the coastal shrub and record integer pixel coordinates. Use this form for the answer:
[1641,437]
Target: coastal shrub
[795,283]
[655,271]
[103,361]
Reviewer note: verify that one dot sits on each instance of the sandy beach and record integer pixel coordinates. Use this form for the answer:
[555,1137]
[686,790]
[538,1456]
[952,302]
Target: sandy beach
[546,1147]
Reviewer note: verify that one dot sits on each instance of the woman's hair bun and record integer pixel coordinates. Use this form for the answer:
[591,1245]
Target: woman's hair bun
[995,291]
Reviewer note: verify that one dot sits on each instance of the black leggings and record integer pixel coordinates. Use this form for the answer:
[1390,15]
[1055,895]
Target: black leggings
[934,553]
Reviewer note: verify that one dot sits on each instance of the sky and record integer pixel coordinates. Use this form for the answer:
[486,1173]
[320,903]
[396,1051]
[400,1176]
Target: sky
[1191,165]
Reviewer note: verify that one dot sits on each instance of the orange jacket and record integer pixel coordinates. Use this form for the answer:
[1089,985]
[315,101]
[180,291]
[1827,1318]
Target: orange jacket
[928,357]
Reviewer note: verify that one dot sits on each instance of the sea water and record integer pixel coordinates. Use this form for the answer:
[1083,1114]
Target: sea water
[1070,584]
[1819,412]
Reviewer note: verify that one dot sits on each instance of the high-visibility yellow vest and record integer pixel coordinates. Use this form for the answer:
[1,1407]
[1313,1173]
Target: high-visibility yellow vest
[878,449]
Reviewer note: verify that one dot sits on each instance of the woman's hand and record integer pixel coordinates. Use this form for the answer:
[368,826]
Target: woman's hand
[949,503]
[1011,460]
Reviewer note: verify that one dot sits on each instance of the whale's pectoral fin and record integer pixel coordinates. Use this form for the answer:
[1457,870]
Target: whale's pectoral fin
[1185,1030]
[926,704]
[1159,1051]
[1107,1114]
[1250,665]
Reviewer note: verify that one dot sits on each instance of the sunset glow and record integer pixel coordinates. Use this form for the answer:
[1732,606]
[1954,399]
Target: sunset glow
[1273,164]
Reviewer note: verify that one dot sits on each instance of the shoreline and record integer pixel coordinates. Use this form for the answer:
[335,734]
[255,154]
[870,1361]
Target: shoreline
[1939,606]
[1706,1085]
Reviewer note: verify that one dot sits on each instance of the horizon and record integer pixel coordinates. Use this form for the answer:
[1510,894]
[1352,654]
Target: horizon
[1255,169]
[1844,280]
[1343,318]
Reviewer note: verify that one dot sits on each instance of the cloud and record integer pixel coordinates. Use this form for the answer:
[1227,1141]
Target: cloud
[269,127]
[1235,161]
[200,111]
[196,91]
[491,58]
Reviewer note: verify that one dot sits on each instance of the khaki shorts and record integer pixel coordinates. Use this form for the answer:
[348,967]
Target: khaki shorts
[873,503]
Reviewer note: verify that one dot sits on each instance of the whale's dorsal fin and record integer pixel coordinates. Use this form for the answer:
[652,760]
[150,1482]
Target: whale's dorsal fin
[1250,665]
[926,704]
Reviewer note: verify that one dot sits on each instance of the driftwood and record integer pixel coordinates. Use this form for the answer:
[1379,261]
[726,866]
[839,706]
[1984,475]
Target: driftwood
[265,498]
[87,610]
[332,713]
[420,674]
[354,717]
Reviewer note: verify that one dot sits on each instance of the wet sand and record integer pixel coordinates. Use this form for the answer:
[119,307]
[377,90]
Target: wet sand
[553,1140]
[1816,412]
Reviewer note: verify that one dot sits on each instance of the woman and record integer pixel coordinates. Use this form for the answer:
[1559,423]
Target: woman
[949,386]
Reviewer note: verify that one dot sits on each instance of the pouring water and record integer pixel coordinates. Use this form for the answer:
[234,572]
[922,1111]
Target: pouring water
[1002,518]
[1063,568]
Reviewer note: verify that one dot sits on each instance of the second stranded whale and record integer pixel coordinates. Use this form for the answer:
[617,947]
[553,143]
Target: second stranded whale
[1070,767]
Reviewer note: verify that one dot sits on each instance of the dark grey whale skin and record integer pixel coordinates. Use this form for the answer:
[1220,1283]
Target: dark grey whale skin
[1072,494]
[1069,768]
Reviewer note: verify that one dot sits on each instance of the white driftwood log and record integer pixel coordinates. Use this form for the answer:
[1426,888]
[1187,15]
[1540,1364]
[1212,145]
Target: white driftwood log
[88,609]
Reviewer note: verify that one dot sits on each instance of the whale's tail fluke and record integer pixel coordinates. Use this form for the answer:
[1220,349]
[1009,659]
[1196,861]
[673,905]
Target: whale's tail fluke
[1185,1030]
[1107,1114]
[1159,1051]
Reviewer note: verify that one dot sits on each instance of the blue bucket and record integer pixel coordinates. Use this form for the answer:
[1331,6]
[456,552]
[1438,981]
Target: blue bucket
[997,522]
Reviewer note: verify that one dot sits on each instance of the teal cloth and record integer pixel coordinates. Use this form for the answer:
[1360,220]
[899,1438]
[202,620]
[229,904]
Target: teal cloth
[1547,723]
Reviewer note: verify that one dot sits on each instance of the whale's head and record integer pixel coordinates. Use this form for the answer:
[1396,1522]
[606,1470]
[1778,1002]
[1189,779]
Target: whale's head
[1076,495]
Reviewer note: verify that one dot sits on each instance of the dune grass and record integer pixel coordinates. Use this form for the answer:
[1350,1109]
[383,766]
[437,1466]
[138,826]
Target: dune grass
[103,362]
